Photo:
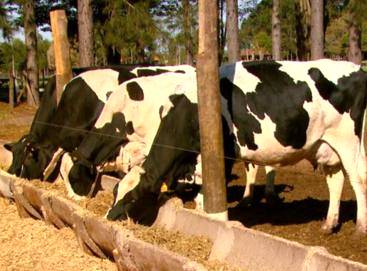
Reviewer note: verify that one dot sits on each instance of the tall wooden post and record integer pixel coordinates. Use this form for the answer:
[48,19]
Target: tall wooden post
[233,41]
[317,29]
[275,31]
[62,50]
[210,122]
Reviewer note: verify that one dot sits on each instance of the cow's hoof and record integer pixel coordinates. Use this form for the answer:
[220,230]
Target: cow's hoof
[328,229]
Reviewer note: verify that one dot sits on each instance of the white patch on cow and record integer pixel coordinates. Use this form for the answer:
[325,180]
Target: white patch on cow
[65,167]
[128,183]
[101,81]
[239,76]
[166,108]
[332,70]
[51,166]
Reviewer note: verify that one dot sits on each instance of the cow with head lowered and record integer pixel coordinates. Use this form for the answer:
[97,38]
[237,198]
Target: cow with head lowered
[56,129]
[127,126]
[276,113]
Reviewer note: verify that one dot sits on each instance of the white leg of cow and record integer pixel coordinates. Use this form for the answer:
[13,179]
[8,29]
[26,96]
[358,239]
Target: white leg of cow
[199,202]
[251,172]
[128,183]
[354,163]
[65,167]
[335,183]
[51,166]
[357,179]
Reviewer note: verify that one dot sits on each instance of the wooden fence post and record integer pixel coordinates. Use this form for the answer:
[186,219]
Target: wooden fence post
[62,50]
[210,122]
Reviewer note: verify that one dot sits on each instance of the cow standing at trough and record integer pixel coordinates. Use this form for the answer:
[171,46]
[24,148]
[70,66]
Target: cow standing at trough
[127,125]
[279,113]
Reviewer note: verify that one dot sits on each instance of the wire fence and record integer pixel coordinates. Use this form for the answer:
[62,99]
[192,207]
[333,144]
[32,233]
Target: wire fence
[234,159]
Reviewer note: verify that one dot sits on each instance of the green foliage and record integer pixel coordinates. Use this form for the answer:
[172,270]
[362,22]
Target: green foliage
[7,50]
[257,26]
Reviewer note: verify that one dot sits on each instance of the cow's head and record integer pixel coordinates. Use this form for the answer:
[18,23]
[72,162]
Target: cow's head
[82,175]
[18,150]
[35,161]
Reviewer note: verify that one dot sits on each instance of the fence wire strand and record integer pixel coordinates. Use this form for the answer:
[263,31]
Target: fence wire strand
[85,131]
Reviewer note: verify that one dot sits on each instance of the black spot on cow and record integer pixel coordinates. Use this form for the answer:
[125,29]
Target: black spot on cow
[161,111]
[135,92]
[179,71]
[129,128]
[280,98]
[160,71]
[108,94]
[125,75]
[150,72]
[348,96]
[246,123]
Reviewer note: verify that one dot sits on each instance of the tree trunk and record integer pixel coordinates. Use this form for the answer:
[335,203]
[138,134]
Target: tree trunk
[355,41]
[11,88]
[210,121]
[222,31]
[302,31]
[275,31]
[317,29]
[85,33]
[30,33]
[233,43]
[187,32]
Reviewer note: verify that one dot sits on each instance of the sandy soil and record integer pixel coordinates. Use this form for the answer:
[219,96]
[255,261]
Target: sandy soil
[28,244]
[300,216]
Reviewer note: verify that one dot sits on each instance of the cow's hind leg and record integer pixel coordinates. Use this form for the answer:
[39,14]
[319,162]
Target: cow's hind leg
[335,181]
[251,172]
[271,197]
[354,163]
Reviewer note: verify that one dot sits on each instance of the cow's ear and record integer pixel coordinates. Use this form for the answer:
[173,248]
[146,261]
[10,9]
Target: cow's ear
[9,146]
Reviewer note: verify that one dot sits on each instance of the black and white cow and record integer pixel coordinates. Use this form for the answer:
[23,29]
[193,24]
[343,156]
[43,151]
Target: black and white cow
[279,113]
[125,129]
[55,130]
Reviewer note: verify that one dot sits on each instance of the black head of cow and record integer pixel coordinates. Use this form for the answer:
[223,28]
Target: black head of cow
[35,161]
[18,150]
[81,176]
[29,159]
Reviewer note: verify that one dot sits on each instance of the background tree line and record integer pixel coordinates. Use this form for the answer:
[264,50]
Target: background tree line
[106,32]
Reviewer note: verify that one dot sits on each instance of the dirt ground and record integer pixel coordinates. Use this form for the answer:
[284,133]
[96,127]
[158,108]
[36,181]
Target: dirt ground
[28,244]
[298,217]
[301,213]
